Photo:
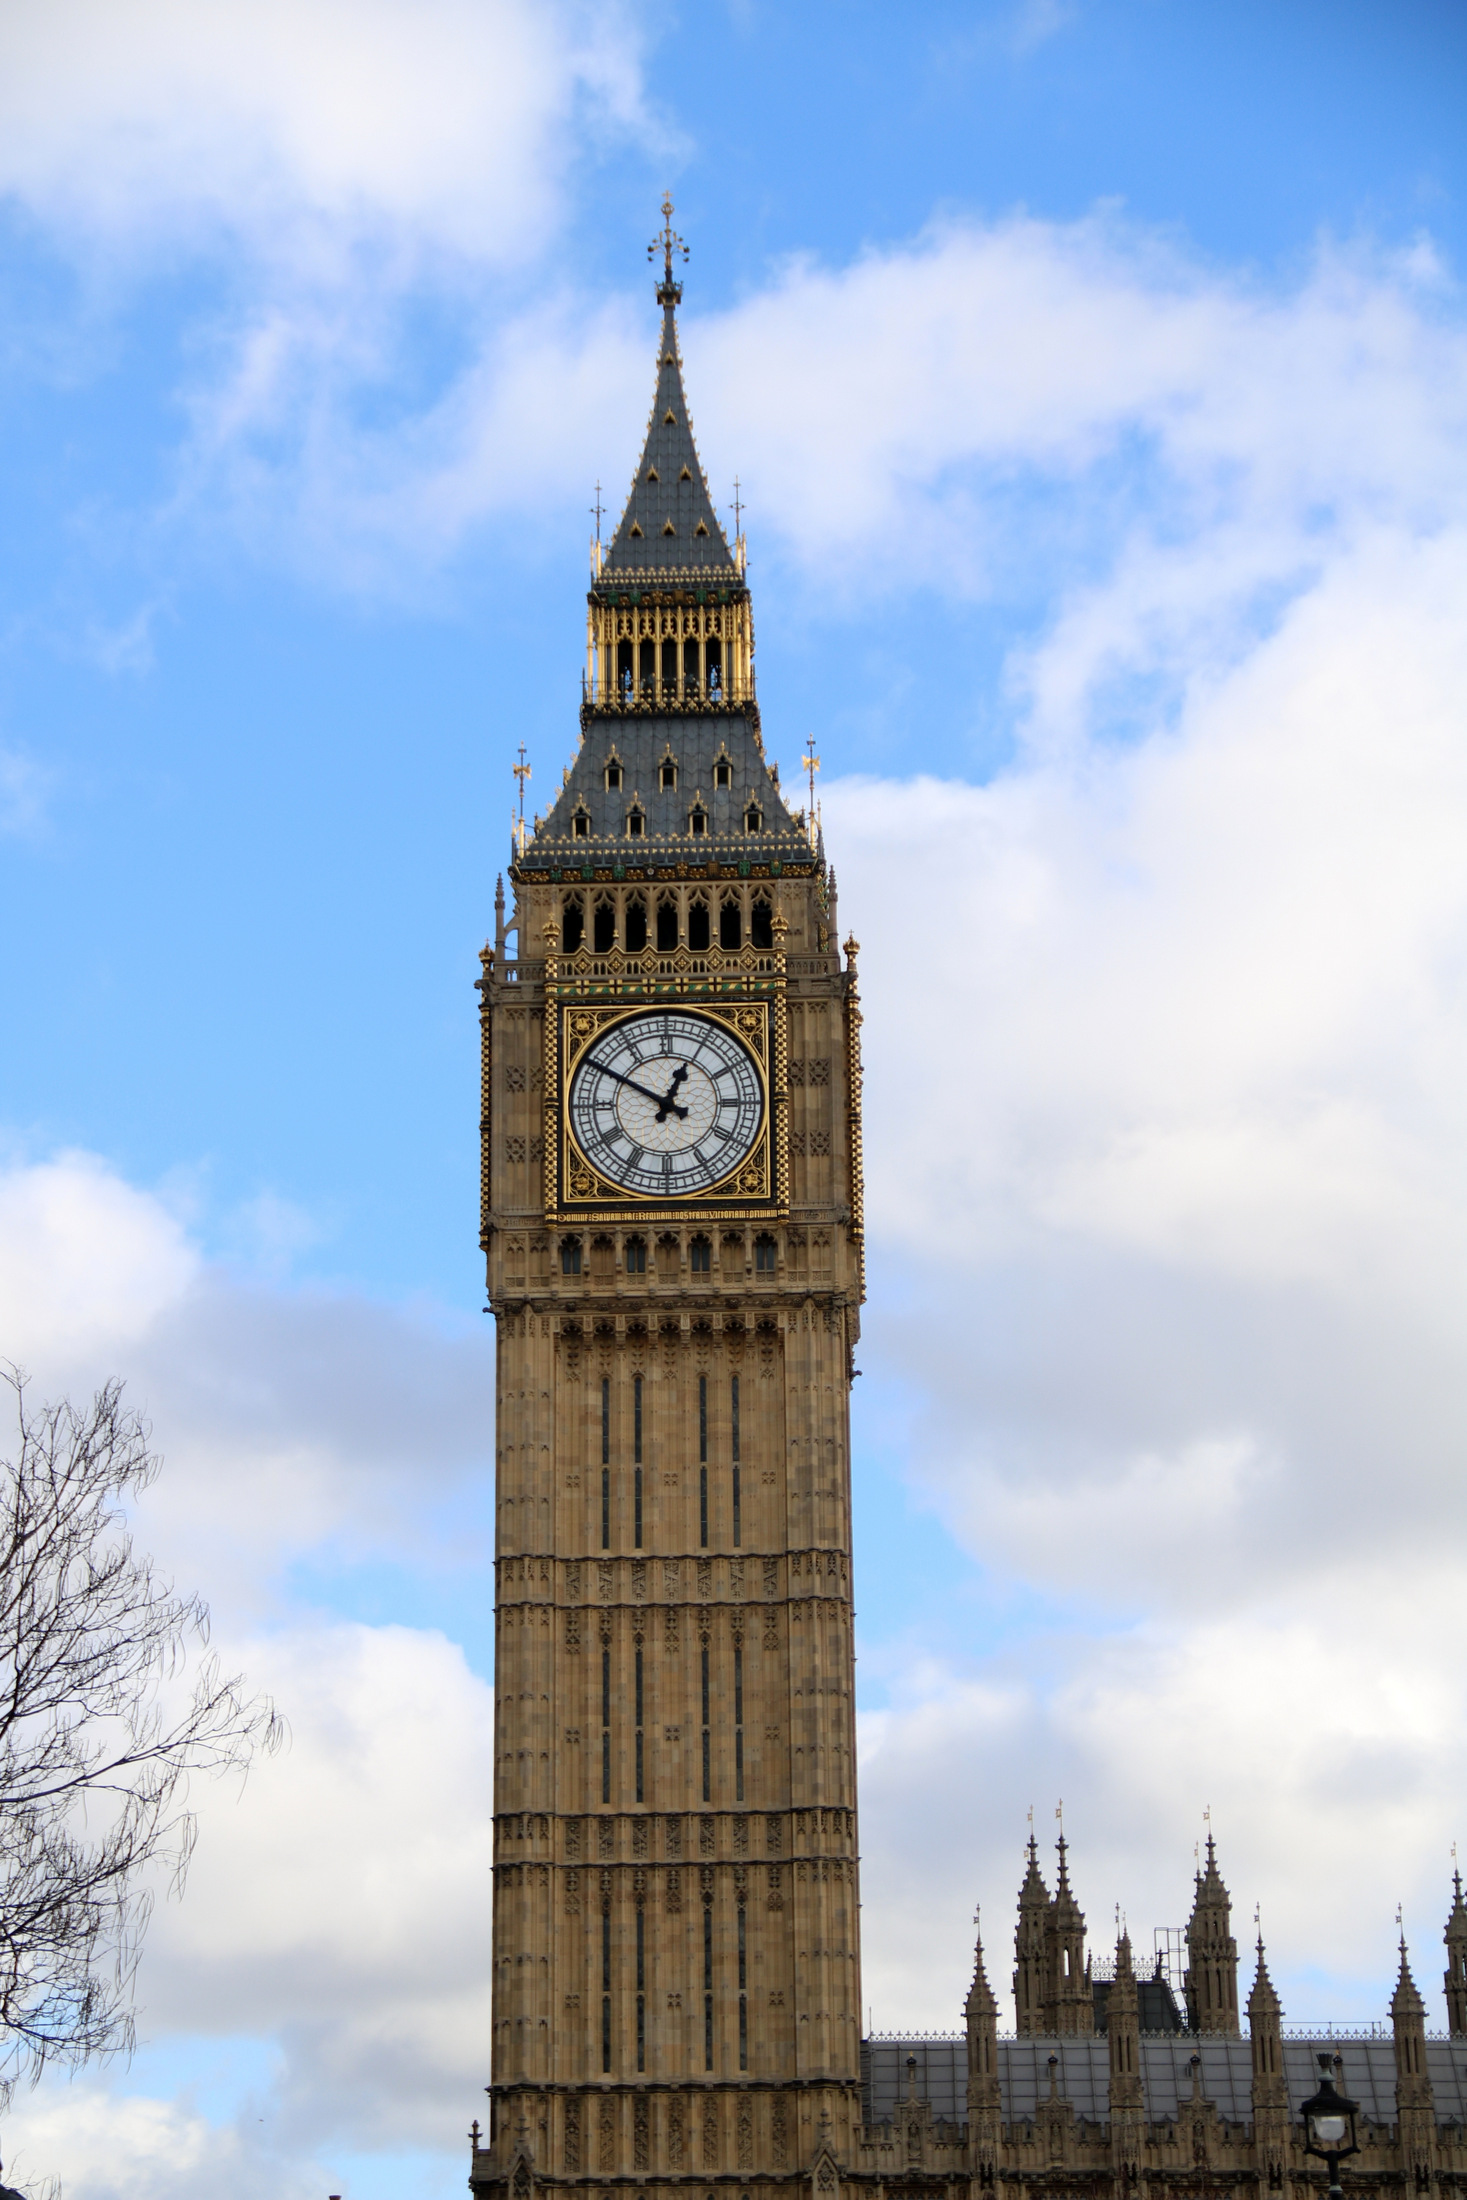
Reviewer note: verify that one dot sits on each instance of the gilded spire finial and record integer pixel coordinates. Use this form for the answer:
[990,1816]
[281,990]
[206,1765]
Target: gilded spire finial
[669,293]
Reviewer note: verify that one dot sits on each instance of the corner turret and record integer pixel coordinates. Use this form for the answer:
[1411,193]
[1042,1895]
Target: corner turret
[1455,1976]
[1211,1984]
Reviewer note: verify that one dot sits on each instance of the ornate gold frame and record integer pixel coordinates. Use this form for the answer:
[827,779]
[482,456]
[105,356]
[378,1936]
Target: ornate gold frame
[759,1187]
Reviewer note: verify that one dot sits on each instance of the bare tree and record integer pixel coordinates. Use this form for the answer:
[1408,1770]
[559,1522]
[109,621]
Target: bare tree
[101,1725]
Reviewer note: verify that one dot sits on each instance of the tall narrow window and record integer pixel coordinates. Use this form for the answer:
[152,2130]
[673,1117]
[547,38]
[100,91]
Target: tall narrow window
[641,1990]
[743,1991]
[606,1726]
[734,1453]
[707,1986]
[605,1467]
[738,1722]
[707,1735]
[605,1990]
[637,1455]
[640,1796]
[703,1459]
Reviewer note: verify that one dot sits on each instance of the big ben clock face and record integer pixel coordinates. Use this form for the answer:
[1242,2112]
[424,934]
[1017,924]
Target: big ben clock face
[666,1105]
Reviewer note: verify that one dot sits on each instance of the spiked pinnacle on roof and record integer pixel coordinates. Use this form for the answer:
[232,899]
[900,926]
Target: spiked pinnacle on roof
[669,524]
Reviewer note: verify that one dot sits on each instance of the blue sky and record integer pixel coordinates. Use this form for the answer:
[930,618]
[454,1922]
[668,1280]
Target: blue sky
[1093,374]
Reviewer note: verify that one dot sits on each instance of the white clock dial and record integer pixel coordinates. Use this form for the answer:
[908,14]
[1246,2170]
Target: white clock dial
[665,1104]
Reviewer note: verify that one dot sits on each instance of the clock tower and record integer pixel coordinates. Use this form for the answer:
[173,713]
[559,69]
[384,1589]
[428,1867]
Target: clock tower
[671,1217]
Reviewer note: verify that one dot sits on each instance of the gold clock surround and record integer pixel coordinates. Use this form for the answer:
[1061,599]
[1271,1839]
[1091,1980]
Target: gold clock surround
[577,1192]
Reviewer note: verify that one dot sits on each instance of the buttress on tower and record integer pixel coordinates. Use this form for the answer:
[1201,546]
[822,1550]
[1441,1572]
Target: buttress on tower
[671,1212]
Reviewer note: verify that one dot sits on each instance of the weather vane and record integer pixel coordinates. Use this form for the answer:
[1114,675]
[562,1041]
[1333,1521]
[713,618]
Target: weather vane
[670,242]
[521,771]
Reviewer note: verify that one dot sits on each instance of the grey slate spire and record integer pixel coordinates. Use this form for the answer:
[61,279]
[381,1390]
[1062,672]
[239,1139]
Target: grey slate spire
[669,524]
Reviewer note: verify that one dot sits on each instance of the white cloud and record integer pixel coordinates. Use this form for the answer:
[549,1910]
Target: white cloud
[337,1907]
[303,127]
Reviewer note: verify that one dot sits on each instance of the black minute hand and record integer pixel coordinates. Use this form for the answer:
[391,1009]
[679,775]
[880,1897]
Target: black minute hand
[664,1106]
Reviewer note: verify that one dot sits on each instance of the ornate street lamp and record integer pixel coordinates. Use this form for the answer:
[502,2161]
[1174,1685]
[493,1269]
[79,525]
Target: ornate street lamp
[1329,2124]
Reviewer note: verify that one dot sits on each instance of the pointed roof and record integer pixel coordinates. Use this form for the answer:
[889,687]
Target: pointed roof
[980,1994]
[1263,2001]
[1406,2001]
[1456,1927]
[1210,1888]
[669,524]
[1033,1894]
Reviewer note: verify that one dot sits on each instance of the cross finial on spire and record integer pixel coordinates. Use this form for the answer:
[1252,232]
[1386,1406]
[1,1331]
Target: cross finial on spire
[669,293]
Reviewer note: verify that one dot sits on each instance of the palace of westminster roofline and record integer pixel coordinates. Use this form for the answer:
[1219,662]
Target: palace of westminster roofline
[1190,2049]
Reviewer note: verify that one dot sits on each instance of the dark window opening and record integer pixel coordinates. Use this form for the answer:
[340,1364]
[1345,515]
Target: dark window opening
[699,930]
[703,1507]
[738,1523]
[668,774]
[636,1256]
[606,1727]
[715,668]
[761,925]
[635,823]
[702,1417]
[606,1508]
[605,1420]
[698,821]
[669,666]
[666,927]
[764,1256]
[753,821]
[640,1796]
[700,1256]
[636,925]
[647,667]
[641,1991]
[605,1990]
[624,685]
[603,928]
[743,1992]
[738,1684]
[690,665]
[637,1508]
[570,1256]
[613,769]
[637,1418]
[581,825]
[730,925]
[722,775]
[572,926]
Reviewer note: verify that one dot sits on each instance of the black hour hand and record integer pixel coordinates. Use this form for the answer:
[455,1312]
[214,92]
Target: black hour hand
[668,1105]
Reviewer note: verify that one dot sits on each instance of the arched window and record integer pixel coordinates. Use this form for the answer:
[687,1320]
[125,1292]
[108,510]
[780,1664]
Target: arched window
[715,668]
[690,666]
[669,666]
[753,819]
[572,924]
[636,823]
[667,774]
[698,819]
[761,925]
[666,925]
[698,926]
[634,1255]
[647,669]
[570,1256]
[636,927]
[730,925]
[624,676]
[603,927]
[764,1255]
[700,1256]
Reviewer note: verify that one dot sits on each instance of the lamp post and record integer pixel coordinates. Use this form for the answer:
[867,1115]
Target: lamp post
[1329,2125]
